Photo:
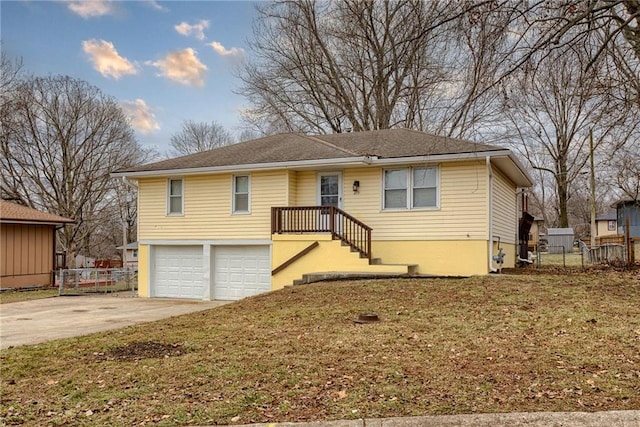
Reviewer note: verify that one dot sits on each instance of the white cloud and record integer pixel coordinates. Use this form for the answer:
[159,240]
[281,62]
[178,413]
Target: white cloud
[196,30]
[93,8]
[157,6]
[234,52]
[141,116]
[182,66]
[106,60]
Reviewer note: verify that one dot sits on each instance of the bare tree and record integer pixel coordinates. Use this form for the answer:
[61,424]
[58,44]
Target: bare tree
[624,171]
[554,103]
[195,137]
[337,66]
[63,139]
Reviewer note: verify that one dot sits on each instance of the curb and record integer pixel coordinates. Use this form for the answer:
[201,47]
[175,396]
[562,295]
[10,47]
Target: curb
[629,418]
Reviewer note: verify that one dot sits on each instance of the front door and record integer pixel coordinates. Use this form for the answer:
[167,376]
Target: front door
[329,194]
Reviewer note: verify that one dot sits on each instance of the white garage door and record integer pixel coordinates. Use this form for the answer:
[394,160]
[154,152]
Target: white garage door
[178,272]
[241,271]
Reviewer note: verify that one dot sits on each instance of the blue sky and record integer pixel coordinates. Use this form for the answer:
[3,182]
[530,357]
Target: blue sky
[164,62]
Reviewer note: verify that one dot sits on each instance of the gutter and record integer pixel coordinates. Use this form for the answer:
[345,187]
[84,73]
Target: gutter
[310,164]
[345,161]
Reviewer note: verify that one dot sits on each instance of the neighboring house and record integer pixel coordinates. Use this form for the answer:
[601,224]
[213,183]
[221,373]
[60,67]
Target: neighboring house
[130,255]
[258,215]
[27,245]
[607,224]
[628,211]
[537,228]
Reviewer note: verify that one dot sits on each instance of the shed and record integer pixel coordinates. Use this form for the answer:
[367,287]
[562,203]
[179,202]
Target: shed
[558,238]
[628,209]
[27,245]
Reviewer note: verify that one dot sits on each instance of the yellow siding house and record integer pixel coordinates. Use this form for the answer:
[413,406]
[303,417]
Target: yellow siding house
[291,208]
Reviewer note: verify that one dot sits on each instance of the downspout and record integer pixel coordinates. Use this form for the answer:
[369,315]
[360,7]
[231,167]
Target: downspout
[490,243]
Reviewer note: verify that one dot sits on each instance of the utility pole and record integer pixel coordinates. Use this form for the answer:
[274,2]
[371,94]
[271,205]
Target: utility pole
[593,190]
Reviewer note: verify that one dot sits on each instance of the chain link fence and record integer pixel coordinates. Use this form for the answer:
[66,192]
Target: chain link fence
[580,256]
[80,281]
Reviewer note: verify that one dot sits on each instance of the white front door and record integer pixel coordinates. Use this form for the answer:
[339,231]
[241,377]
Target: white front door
[329,194]
[330,189]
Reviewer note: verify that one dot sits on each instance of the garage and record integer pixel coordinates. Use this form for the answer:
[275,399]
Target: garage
[241,271]
[178,272]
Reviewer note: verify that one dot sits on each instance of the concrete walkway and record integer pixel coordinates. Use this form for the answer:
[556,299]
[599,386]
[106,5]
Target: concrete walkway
[37,321]
[516,419]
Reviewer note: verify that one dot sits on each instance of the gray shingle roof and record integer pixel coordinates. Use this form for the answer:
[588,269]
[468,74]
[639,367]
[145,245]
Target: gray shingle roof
[288,147]
[14,213]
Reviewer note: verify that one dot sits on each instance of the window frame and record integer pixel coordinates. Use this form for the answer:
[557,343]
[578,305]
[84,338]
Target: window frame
[405,188]
[171,196]
[612,225]
[235,193]
[409,187]
[436,187]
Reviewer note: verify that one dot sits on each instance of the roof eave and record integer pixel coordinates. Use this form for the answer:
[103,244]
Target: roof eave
[34,221]
[300,164]
[518,173]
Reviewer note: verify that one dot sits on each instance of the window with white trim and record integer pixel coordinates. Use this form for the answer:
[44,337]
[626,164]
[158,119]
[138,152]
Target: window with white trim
[422,181]
[395,188]
[425,188]
[241,186]
[175,199]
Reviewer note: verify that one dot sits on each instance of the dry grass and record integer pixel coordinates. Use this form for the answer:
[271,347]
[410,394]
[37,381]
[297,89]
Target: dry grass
[21,295]
[484,344]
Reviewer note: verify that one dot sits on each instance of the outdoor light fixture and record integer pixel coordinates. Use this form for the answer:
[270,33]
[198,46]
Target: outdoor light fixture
[356,186]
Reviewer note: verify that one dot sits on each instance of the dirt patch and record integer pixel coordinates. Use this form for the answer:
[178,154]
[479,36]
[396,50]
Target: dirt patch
[141,350]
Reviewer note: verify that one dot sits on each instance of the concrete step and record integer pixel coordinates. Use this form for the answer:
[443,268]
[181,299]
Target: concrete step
[345,275]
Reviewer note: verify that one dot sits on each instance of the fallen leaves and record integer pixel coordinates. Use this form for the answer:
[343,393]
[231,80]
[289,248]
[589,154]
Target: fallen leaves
[485,344]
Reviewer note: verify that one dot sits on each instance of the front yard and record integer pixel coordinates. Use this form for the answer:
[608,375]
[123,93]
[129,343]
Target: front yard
[443,346]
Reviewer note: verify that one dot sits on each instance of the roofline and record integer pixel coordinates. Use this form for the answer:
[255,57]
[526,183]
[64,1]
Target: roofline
[35,221]
[521,167]
[345,161]
[247,167]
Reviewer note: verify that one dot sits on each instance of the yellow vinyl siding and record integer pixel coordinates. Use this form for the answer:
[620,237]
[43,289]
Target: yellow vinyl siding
[504,208]
[462,213]
[207,208]
[291,188]
[143,271]
[306,188]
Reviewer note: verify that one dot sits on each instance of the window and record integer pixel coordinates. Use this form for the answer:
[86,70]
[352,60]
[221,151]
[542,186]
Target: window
[423,182]
[611,225]
[425,192]
[135,253]
[175,202]
[241,194]
[395,188]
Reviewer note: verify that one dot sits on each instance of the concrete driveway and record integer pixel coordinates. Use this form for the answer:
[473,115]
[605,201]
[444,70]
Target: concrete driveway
[36,321]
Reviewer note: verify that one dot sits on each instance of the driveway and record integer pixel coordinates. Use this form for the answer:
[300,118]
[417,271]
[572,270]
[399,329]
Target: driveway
[36,321]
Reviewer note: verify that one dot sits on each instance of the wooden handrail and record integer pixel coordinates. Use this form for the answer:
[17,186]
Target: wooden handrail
[323,219]
[294,258]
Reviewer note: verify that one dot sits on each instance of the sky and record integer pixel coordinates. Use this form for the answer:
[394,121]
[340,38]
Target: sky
[163,62]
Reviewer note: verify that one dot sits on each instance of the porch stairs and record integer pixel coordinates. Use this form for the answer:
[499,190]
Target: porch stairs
[366,270]
[348,246]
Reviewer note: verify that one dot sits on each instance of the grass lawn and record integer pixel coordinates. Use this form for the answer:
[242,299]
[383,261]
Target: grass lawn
[443,346]
[15,296]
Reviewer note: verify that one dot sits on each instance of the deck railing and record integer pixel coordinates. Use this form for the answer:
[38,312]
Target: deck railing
[323,219]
